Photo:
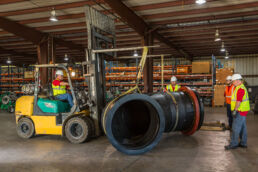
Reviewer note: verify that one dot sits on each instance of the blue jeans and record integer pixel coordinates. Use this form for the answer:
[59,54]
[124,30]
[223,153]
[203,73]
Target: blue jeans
[229,114]
[239,130]
[67,97]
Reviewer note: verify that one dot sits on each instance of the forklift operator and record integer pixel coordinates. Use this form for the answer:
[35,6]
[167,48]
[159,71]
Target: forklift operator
[59,88]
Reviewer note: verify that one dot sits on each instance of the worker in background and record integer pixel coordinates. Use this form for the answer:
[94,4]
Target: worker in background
[240,106]
[228,93]
[59,88]
[173,86]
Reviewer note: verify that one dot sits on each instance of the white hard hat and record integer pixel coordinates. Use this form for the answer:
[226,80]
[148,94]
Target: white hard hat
[236,77]
[59,72]
[173,79]
[229,78]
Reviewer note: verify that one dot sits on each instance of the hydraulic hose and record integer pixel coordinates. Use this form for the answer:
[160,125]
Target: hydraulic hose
[135,123]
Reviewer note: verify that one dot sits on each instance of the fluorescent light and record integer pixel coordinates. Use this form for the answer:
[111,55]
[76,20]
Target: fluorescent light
[222,47]
[200,2]
[53,16]
[217,37]
[66,57]
[135,54]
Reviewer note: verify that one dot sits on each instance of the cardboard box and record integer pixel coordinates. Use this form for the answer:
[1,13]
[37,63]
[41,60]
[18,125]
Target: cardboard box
[219,99]
[221,75]
[201,67]
[29,74]
[182,70]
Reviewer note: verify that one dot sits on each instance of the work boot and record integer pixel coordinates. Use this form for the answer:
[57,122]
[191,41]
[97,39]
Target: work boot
[228,147]
[242,146]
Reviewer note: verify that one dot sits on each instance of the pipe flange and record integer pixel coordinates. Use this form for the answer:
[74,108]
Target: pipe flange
[195,101]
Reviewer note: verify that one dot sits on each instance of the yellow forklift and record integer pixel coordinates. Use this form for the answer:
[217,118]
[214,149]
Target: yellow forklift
[42,113]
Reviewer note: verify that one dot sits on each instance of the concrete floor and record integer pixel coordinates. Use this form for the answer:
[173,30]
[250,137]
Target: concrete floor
[204,151]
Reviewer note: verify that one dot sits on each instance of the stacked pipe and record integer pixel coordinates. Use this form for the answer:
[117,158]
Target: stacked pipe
[135,123]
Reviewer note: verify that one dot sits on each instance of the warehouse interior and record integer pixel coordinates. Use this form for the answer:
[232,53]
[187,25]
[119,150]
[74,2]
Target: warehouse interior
[116,61]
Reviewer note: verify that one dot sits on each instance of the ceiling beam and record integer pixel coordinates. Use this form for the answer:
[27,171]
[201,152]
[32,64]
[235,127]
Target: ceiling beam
[15,53]
[139,25]
[230,31]
[22,31]
[202,10]
[32,34]
[4,2]
[47,8]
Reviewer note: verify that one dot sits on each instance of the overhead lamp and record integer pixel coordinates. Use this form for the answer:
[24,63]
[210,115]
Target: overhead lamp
[53,17]
[66,57]
[200,2]
[73,74]
[227,55]
[8,61]
[135,54]
[222,47]
[217,37]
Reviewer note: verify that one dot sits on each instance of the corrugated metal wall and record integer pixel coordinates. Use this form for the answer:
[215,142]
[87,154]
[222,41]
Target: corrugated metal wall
[244,65]
[247,66]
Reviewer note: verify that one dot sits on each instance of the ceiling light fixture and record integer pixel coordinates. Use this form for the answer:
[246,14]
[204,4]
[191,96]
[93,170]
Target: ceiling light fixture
[8,61]
[227,55]
[53,16]
[217,37]
[200,2]
[222,47]
[66,57]
[135,54]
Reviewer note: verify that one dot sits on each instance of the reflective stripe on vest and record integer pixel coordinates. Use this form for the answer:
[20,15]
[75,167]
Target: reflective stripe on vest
[170,88]
[245,104]
[229,93]
[58,90]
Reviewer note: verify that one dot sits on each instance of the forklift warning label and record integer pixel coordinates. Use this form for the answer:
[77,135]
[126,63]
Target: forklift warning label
[49,105]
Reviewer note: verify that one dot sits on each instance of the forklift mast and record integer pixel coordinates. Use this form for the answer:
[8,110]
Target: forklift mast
[101,35]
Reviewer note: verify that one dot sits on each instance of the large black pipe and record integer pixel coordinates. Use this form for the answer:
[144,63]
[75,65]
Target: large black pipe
[134,123]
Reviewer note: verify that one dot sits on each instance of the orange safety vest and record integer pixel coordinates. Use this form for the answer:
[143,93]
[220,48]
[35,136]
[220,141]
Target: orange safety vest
[229,93]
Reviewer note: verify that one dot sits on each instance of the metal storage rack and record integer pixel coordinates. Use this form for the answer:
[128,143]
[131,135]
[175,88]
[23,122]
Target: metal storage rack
[12,79]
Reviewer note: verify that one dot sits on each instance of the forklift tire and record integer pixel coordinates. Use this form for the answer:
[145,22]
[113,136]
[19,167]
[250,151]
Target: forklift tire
[91,122]
[78,130]
[25,128]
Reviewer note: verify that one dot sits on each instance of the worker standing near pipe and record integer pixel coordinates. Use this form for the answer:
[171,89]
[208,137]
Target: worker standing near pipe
[228,93]
[240,106]
[173,87]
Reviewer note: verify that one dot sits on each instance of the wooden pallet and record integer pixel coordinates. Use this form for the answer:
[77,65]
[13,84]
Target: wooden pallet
[214,126]
[209,128]
[218,105]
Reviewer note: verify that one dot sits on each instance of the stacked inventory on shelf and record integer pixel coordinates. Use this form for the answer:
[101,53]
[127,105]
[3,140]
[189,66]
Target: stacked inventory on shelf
[124,77]
[12,79]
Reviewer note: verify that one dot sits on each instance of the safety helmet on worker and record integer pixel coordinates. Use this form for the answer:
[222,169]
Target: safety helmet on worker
[59,72]
[173,79]
[236,77]
[229,78]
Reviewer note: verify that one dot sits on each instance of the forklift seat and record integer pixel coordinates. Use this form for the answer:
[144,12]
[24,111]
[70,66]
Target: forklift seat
[53,106]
